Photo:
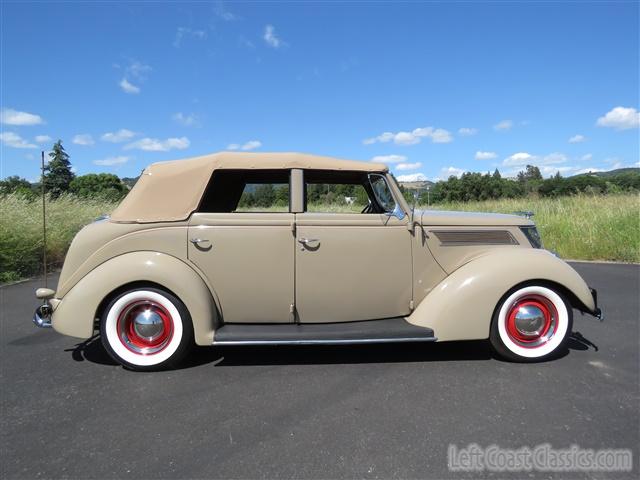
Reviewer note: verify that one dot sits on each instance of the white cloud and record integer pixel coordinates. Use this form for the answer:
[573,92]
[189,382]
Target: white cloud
[586,157]
[413,177]
[154,145]
[451,171]
[504,125]
[523,158]
[9,116]
[467,132]
[620,118]
[128,87]
[110,161]
[83,139]
[221,12]
[138,70]
[135,70]
[271,38]
[183,32]
[43,138]
[121,135]
[188,120]
[485,155]
[250,145]
[437,135]
[408,166]
[577,139]
[389,159]
[11,139]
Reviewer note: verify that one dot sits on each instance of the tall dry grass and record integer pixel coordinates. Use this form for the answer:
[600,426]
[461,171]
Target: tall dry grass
[21,231]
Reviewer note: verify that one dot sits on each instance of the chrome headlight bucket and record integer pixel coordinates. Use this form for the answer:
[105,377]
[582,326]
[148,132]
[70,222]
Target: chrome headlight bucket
[531,232]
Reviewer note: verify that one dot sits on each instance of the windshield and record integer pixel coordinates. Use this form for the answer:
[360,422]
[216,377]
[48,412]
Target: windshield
[382,192]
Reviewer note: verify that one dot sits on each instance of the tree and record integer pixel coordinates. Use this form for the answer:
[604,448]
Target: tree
[104,185]
[16,184]
[58,174]
[531,173]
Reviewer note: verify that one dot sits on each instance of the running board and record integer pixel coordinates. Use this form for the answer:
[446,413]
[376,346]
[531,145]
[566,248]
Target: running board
[389,330]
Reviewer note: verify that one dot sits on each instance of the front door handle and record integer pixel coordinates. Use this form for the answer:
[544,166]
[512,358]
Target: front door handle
[309,242]
[201,243]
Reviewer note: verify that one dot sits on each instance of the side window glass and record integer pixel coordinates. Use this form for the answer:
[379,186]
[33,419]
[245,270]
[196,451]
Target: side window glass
[331,191]
[246,191]
[336,198]
[264,197]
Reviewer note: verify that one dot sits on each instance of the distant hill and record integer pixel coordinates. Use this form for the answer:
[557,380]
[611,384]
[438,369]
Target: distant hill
[130,181]
[617,171]
[421,185]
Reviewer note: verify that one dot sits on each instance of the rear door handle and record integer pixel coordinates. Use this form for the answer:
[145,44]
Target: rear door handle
[309,242]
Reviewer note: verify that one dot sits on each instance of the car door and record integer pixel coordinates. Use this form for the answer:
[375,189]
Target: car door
[244,248]
[349,265]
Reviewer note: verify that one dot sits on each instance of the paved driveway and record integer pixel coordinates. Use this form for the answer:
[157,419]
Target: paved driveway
[386,411]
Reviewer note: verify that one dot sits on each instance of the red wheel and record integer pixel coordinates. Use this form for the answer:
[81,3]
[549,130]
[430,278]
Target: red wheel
[531,323]
[146,329]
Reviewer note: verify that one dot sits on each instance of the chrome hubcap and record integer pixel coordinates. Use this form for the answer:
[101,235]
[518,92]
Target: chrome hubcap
[529,320]
[148,324]
[145,327]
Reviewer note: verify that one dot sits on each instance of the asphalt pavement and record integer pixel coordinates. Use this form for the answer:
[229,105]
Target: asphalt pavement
[376,411]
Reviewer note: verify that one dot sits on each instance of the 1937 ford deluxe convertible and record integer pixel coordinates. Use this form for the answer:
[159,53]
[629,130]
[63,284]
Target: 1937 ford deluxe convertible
[234,249]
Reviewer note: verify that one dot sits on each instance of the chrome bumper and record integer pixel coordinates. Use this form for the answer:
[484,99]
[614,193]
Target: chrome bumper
[42,316]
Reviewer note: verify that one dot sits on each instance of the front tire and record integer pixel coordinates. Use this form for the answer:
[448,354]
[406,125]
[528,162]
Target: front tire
[146,329]
[531,324]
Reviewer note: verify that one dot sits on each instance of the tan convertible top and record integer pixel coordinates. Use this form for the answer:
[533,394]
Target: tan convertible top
[171,191]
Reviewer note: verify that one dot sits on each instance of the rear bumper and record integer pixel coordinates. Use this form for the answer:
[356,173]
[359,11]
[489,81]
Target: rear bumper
[42,316]
[597,311]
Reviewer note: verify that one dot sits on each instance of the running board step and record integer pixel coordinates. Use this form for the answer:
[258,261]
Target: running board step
[389,330]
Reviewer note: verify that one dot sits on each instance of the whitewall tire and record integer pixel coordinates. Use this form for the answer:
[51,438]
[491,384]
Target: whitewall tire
[531,323]
[146,329]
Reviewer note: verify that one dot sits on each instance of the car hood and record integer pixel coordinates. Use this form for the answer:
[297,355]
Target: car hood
[440,217]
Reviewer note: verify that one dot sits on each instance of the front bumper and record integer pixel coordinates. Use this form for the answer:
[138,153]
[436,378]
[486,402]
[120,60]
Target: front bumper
[597,312]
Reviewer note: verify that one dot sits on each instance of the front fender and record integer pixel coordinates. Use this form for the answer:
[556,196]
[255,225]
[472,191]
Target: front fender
[75,313]
[462,305]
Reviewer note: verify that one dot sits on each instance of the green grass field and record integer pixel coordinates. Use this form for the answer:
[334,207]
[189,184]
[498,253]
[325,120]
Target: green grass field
[583,227]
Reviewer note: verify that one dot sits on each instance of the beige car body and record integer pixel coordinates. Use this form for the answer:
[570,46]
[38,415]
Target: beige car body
[442,270]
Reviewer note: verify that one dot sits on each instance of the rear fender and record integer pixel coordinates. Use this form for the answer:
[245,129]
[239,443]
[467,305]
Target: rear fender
[462,305]
[75,313]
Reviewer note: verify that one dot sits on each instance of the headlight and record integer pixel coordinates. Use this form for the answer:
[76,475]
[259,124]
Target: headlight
[533,236]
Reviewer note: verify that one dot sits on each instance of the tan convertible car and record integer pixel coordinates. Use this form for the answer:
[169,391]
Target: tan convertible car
[188,258]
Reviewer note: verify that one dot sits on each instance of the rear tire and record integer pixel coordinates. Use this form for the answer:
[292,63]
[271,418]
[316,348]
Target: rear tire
[531,324]
[146,329]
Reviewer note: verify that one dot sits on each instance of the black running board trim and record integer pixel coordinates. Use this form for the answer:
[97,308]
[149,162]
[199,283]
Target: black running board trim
[389,330]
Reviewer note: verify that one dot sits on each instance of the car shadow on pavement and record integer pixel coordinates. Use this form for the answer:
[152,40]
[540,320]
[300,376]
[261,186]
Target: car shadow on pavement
[92,350]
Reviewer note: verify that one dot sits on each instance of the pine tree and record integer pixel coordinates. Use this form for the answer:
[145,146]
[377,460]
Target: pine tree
[58,174]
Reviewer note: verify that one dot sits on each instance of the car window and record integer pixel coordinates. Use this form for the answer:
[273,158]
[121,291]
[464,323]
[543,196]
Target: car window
[247,191]
[382,192]
[264,197]
[338,192]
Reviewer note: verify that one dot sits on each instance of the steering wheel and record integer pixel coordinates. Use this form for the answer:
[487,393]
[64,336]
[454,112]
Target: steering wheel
[367,209]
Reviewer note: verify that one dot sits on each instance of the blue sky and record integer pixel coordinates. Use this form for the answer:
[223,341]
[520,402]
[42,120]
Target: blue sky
[432,88]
